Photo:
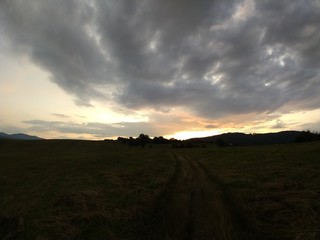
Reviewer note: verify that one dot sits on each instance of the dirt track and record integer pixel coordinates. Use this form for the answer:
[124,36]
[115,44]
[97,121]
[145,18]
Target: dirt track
[193,207]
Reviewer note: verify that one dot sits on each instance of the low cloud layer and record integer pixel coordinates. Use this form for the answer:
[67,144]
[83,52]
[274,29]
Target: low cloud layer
[159,125]
[97,130]
[213,58]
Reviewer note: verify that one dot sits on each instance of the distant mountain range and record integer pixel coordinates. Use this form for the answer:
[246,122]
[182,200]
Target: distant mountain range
[242,139]
[226,139]
[17,136]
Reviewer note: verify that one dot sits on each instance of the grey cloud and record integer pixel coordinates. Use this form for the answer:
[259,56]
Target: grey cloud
[53,34]
[98,130]
[279,124]
[159,124]
[313,126]
[59,115]
[161,54]
[210,126]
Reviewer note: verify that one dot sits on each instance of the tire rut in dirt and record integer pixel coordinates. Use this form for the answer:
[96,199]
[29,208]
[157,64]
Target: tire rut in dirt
[192,207]
[243,226]
[171,216]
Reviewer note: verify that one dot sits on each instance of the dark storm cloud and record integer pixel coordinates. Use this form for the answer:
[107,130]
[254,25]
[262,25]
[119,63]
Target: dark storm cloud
[54,34]
[214,58]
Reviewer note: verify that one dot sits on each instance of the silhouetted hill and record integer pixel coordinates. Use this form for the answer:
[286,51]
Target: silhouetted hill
[17,136]
[242,139]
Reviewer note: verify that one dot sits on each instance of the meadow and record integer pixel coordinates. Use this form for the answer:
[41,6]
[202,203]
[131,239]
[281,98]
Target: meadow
[273,190]
[66,189]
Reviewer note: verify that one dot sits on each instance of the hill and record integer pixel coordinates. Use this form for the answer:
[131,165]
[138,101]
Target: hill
[242,139]
[17,136]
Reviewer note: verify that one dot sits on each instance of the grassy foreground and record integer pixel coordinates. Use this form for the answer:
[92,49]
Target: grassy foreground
[106,190]
[275,189]
[78,189]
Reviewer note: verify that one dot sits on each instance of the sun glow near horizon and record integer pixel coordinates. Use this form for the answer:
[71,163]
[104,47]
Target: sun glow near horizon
[193,134]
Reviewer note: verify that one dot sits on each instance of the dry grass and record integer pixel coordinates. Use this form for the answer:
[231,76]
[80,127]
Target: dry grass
[79,189]
[276,187]
[105,190]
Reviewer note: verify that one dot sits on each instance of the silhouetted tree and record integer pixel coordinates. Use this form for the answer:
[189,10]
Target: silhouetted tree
[143,139]
[122,140]
[160,140]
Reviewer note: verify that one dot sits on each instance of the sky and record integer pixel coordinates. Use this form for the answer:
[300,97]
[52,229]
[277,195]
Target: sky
[97,69]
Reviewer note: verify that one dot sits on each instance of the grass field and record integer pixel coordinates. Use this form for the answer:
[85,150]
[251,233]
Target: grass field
[274,190]
[78,189]
[106,190]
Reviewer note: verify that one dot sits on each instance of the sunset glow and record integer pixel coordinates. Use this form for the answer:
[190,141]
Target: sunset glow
[102,69]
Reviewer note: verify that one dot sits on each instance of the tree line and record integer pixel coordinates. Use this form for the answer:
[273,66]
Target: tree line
[225,140]
[144,139]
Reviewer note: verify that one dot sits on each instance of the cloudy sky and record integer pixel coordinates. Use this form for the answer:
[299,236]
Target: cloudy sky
[98,69]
